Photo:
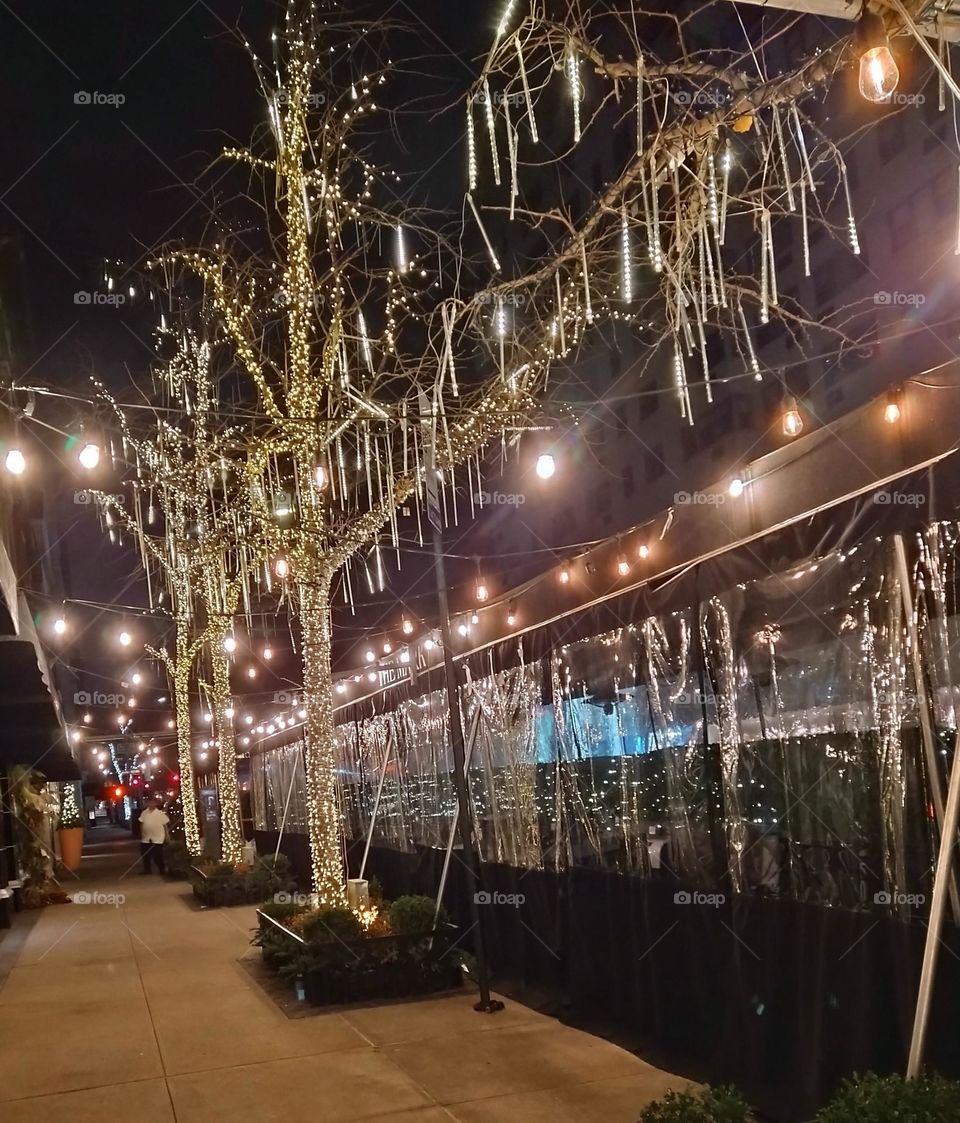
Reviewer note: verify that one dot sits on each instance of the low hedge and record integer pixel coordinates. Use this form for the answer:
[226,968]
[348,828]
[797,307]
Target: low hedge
[220,884]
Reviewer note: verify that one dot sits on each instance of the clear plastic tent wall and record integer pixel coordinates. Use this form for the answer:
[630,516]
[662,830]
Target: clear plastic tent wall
[766,740]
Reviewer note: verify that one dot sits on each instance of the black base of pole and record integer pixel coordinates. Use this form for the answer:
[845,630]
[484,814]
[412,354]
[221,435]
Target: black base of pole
[491,1006]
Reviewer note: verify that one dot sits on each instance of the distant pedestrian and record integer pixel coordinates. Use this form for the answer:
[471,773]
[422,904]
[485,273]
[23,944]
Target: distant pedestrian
[153,834]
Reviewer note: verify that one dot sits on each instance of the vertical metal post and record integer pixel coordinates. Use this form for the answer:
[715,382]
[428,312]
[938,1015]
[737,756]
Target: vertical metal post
[454,826]
[376,803]
[931,951]
[923,705]
[471,857]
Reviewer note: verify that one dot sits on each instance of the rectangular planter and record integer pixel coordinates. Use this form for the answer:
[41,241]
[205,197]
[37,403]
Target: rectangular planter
[376,968]
[215,895]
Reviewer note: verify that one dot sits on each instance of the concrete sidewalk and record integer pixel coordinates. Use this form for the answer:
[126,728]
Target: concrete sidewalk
[138,1007]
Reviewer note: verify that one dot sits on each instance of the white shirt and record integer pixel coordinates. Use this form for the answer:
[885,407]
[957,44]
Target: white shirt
[153,825]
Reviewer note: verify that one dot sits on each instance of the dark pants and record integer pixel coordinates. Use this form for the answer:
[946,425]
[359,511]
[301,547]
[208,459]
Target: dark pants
[151,852]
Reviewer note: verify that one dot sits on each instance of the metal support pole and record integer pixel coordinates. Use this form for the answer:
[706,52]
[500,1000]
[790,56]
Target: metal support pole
[471,858]
[376,804]
[286,808]
[931,951]
[454,825]
[923,705]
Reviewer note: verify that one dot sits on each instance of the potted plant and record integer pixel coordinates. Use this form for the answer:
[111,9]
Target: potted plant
[70,828]
[877,1099]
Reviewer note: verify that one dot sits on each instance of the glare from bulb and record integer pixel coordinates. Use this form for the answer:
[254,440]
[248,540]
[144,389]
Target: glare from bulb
[891,412]
[89,456]
[230,645]
[125,639]
[462,629]
[228,712]
[429,643]
[564,576]
[341,688]
[387,647]
[251,672]
[136,678]
[407,627]
[546,466]
[281,567]
[482,591]
[644,550]
[623,566]
[268,653]
[16,462]
[369,656]
[404,656]
[320,476]
[59,625]
[736,487]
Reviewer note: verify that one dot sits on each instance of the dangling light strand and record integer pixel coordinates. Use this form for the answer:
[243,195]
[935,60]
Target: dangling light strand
[573,77]
[491,130]
[627,259]
[531,117]
[471,148]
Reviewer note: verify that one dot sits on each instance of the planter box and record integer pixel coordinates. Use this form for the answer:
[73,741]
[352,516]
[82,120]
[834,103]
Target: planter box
[374,968]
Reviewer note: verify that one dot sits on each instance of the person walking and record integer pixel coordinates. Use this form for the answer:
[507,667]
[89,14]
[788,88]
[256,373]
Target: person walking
[153,833]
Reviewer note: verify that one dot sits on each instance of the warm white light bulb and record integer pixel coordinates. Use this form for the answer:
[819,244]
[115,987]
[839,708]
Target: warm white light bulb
[59,625]
[879,75]
[89,456]
[482,591]
[369,656]
[230,645]
[546,466]
[268,653]
[736,487]
[16,462]
[407,627]
[281,567]
[125,639]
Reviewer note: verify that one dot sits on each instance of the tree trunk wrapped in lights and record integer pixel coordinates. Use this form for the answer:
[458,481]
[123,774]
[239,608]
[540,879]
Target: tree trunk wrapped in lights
[231,831]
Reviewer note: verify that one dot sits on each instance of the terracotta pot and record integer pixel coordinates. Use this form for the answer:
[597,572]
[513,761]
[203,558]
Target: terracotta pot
[71,846]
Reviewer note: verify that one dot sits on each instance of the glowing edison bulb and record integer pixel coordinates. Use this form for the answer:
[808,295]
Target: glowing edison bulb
[230,645]
[565,575]
[878,71]
[89,456]
[251,672]
[623,566]
[792,421]
[281,567]
[511,616]
[644,550]
[268,652]
[16,462]
[125,639]
[407,627]
[879,75]
[482,591]
[736,487]
[320,476]
[59,625]
[891,411]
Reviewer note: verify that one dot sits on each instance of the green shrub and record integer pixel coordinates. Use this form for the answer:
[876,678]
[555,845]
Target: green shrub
[712,1105]
[891,1099]
[413,915]
[281,910]
[332,925]
[270,875]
